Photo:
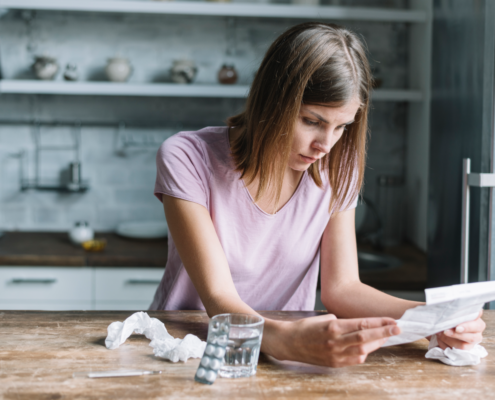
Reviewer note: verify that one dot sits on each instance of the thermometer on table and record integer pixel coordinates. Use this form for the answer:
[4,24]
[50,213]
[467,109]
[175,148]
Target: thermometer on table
[113,374]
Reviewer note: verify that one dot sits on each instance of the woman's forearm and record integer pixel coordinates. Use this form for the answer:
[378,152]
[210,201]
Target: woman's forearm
[357,300]
[322,340]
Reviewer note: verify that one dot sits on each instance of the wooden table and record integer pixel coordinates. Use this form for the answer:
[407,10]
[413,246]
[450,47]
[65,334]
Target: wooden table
[39,352]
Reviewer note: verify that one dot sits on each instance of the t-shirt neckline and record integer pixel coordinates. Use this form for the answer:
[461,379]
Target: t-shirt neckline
[244,187]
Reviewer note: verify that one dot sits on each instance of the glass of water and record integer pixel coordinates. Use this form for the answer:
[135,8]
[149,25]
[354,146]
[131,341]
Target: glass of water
[243,346]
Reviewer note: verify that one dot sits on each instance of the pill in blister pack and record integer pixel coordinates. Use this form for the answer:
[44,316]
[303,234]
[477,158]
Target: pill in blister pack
[213,357]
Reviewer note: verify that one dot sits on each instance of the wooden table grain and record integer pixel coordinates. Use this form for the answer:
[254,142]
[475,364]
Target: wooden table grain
[40,351]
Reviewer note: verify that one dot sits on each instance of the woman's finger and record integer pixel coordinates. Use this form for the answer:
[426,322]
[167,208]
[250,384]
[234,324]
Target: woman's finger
[369,335]
[445,341]
[347,361]
[463,337]
[363,349]
[478,325]
[441,343]
[344,326]
[354,360]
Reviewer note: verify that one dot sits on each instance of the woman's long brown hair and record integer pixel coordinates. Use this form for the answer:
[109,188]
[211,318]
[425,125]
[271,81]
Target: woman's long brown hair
[311,63]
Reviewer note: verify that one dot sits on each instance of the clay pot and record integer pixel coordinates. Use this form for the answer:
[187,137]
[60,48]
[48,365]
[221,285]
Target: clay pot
[227,75]
[183,71]
[70,73]
[118,69]
[45,67]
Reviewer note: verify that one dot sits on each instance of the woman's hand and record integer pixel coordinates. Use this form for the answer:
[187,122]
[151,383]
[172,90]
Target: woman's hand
[326,340]
[464,337]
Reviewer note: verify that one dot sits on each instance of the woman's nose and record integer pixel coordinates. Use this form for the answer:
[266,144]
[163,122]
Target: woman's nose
[323,145]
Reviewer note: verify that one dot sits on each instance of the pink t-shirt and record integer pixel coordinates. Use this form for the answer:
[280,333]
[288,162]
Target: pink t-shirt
[273,259]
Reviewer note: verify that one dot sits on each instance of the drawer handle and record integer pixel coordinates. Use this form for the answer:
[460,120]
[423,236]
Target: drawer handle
[143,282]
[44,281]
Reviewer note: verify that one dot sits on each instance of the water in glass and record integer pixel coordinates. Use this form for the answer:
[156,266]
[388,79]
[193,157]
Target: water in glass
[242,352]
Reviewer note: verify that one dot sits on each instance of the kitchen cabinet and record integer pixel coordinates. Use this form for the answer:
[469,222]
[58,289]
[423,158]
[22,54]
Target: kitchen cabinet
[46,288]
[73,288]
[125,289]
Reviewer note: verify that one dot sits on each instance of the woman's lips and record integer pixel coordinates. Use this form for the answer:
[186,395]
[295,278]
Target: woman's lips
[309,160]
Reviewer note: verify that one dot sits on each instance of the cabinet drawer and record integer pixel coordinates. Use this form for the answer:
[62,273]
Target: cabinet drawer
[45,284]
[126,284]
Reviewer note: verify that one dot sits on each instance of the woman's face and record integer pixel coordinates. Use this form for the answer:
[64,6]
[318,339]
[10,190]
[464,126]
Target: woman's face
[317,129]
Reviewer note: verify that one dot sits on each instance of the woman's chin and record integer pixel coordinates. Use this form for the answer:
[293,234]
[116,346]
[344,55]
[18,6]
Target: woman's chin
[301,167]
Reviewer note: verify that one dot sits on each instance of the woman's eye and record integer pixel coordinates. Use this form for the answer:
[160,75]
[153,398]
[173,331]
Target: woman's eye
[311,122]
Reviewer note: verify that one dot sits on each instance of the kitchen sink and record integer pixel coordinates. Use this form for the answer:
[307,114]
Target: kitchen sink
[374,262]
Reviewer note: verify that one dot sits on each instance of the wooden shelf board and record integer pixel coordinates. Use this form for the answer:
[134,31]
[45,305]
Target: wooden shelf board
[121,89]
[223,9]
[161,90]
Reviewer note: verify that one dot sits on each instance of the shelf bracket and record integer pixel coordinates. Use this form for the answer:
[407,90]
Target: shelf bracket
[475,180]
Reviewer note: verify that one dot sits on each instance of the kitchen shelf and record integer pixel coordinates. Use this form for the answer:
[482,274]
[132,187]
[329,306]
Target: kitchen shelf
[223,9]
[121,89]
[161,90]
[55,187]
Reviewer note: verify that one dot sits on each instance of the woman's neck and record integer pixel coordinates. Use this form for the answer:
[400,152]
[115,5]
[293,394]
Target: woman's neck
[291,181]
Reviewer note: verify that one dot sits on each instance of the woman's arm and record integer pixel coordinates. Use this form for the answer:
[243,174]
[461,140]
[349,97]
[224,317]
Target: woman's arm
[322,340]
[202,255]
[343,294]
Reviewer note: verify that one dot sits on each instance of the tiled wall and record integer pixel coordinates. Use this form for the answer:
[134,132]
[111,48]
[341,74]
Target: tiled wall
[122,184]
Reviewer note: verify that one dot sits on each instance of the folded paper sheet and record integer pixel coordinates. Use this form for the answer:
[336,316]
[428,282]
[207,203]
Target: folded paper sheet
[164,345]
[446,307]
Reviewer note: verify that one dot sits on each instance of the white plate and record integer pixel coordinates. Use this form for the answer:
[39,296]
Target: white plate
[143,229]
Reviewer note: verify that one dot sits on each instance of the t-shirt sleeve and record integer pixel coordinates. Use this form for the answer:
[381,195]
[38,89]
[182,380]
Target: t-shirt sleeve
[182,170]
[350,202]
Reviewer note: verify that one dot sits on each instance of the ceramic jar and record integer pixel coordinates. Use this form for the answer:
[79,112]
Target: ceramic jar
[45,67]
[183,71]
[81,232]
[227,75]
[70,73]
[118,69]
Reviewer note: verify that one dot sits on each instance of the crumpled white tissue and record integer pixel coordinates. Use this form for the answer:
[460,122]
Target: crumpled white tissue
[455,357]
[163,343]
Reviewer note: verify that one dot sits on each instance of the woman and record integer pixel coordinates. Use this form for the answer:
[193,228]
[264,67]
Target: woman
[253,207]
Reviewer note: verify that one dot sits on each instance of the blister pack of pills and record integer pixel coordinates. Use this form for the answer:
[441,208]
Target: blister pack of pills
[213,357]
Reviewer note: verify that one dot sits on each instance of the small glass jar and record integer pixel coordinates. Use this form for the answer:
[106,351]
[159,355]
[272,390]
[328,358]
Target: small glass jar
[227,75]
